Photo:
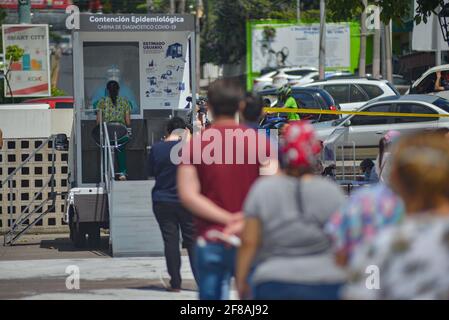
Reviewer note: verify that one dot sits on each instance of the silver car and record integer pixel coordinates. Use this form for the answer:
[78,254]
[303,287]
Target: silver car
[366,131]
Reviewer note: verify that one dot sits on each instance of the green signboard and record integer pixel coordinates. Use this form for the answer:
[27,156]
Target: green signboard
[274,44]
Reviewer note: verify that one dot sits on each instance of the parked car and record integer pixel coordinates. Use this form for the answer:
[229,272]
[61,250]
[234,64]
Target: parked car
[307,98]
[289,73]
[366,131]
[401,84]
[66,44]
[426,83]
[352,93]
[54,102]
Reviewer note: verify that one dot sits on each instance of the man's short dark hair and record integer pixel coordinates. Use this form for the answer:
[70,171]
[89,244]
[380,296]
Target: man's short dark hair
[224,97]
[367,164]
[175,123]
[253,107]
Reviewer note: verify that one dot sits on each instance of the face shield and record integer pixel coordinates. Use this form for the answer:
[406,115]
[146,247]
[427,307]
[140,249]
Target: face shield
[113,73]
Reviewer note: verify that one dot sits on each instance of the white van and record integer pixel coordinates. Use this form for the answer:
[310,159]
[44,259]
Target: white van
[426,83]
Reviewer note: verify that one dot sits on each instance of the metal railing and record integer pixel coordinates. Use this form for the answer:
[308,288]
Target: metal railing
[337,143]
[19,226]
[107,161]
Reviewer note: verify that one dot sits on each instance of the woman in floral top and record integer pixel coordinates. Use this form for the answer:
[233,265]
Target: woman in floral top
[412,258]
[367,211]
[116,109]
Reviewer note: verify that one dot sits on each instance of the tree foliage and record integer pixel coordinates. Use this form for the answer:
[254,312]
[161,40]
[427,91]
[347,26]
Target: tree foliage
[224,37]
[425,8]
[394,10]
[14,53]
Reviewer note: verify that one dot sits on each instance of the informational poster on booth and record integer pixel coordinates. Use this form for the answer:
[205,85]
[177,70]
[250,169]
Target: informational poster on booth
[278,46]
[30,75]
[164,71]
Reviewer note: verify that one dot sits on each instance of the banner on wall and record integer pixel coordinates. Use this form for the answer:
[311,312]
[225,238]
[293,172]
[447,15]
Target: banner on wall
[30,76]
[37,4]
[421,41]
[278,46]
[165,81]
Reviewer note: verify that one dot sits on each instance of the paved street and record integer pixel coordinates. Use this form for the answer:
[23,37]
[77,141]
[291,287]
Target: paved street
[35,268]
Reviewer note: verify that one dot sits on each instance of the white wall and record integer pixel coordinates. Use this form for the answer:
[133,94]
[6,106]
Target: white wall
[24,124]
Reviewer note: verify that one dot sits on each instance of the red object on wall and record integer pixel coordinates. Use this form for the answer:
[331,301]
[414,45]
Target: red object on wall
[37,4]
[16,66]
[95,5]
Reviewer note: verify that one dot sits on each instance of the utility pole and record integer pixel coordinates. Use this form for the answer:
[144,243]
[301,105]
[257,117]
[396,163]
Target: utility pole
[172,7]
[298,10]
[24,11]
[199,15]
[150,6]
[182,6]
[322,54]
[383,64]
[376,53]
[388,53]
[363,32]
[437,33]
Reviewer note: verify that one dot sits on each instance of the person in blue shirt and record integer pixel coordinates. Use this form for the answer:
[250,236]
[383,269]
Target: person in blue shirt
[171,216]
[369,172]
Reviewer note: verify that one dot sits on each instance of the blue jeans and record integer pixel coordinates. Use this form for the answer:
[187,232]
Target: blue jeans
[215,267]
[295,291]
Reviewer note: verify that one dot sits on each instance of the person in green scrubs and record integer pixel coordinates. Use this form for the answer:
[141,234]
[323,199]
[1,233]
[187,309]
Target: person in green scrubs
[116,109]
[286,100]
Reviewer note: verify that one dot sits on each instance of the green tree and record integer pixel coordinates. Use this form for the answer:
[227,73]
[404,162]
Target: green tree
[13,54]
[390,9]
[224,37]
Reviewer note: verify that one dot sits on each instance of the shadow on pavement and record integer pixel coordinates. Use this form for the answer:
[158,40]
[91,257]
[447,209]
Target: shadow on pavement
[66,245]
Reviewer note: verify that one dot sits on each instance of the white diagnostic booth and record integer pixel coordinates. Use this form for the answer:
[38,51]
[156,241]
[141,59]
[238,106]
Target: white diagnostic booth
[152,57]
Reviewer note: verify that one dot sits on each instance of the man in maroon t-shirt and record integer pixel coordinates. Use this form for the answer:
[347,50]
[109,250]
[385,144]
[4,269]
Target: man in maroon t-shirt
[218,167]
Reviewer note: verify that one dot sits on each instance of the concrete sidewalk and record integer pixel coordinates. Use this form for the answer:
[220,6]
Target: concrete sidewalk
[35,268]
[113,278]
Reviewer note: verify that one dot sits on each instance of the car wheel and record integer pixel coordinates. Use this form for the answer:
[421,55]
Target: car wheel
[79,236]
[93,233]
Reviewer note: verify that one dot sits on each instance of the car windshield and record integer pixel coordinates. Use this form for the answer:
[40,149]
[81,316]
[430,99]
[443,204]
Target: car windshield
[442,104]
[392,87]
[337,122]
[328,98]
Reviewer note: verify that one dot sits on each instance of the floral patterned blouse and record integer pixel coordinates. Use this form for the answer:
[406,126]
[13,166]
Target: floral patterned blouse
[114,113]
[366,212]
[412,260]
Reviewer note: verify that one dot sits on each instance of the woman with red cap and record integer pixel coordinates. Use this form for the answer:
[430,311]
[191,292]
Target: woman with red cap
[283,235]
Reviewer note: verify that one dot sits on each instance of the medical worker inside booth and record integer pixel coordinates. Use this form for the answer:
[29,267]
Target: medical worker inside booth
[113,74]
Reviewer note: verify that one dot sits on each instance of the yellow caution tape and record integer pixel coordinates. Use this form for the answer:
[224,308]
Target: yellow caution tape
[359,113]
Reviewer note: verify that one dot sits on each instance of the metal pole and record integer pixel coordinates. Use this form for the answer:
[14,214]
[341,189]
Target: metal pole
[150,6]
[11,205]
[376,53]
[438,41]
[363,31]
[298,10]
[53,168]
[388,53]
[24,9]
[383,51]
[322,54]
[199,14]
[102,149]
